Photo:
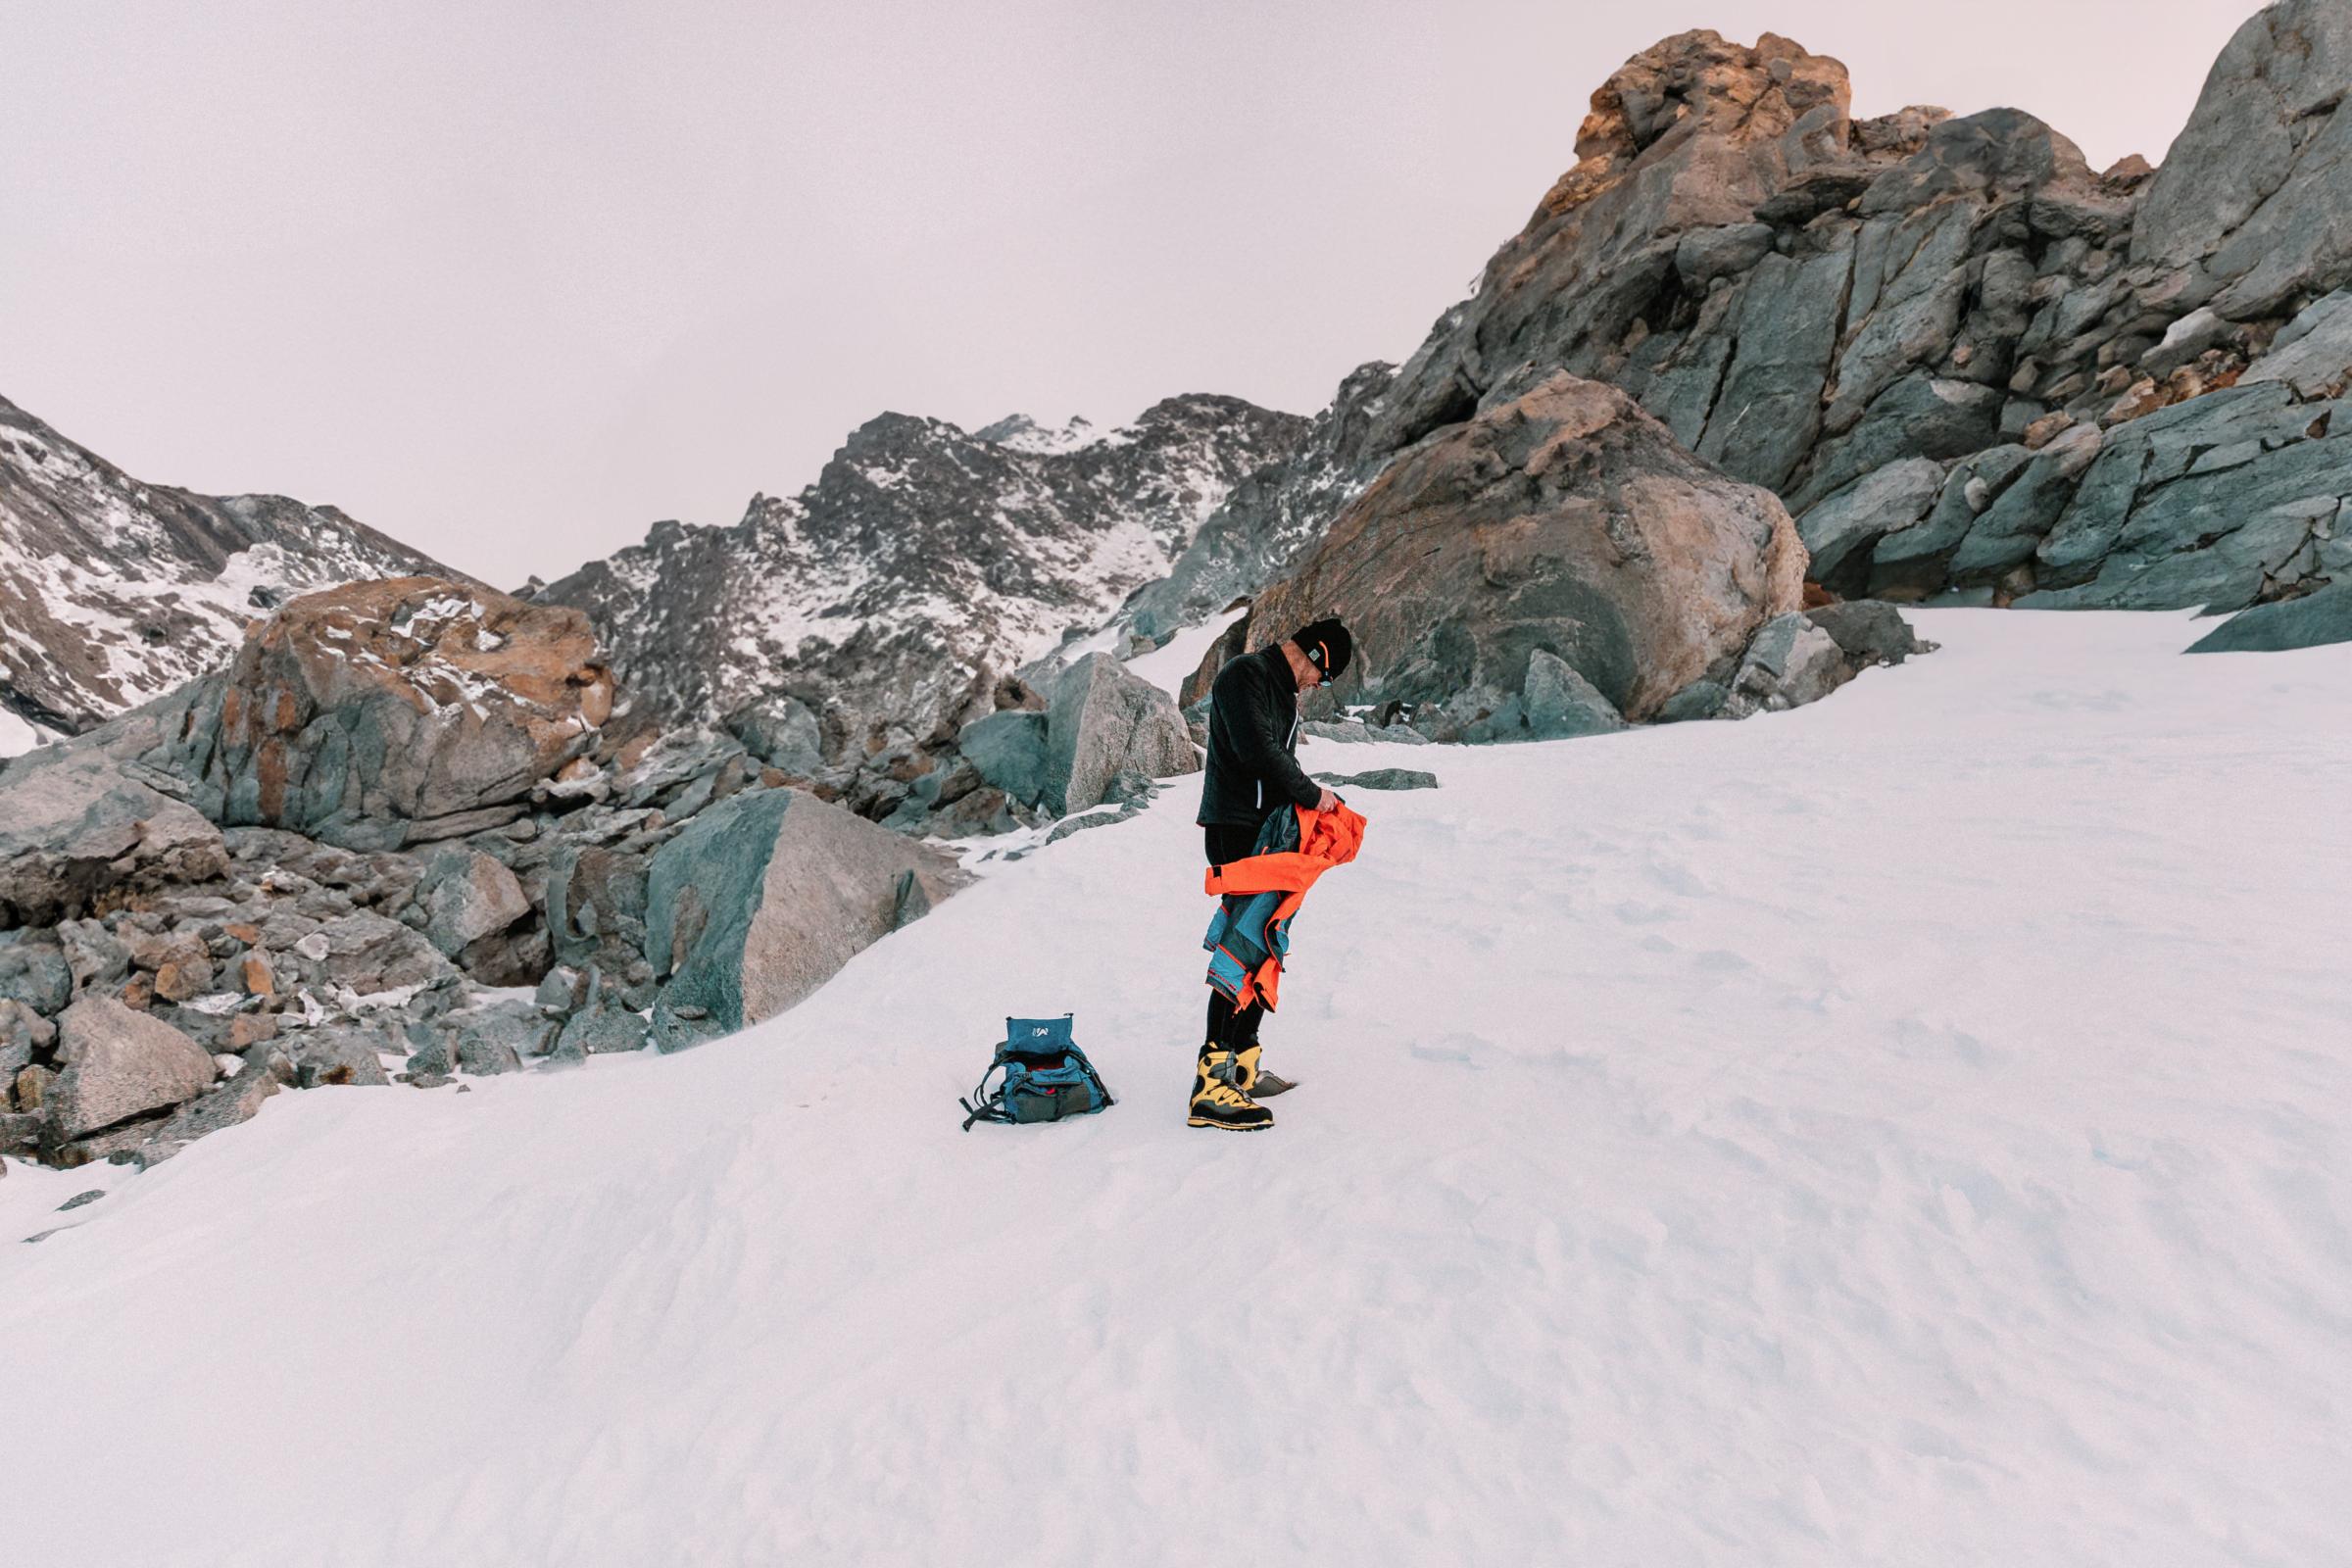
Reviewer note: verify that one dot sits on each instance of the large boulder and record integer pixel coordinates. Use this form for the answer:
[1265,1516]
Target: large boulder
[1568,521]
[402,712]
[763,897]
[75,824]
[119,1063]
[1104,721]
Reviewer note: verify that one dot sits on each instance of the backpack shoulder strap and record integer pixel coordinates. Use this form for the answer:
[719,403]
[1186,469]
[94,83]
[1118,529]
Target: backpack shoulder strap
[984,1105]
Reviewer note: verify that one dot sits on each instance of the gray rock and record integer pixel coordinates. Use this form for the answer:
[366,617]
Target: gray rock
[1559,703]
[469,895]
[1104,721]
[1913,270]
[93,956]
[79,1200]
[1845,527]
[2013,529]
[367,953]
[2308,621]
[350,715]
[119,1063]
[1086,821]
[782,732]
[74,825]
[1705,254]
[1354,732]
[761,898]
[2256,193]
[596,905]
[22,1032]
[1922,415]
[34,971]
[339,1053]
[1009,749]
[2216,502]
[1381,778]
[599,1029]
[1701,699]
[266,1070]
[2312,353]
[1869,631]
[1770,407]
[1791,663]
[493,1038]
[1915,562]
[910,902]
[559,991]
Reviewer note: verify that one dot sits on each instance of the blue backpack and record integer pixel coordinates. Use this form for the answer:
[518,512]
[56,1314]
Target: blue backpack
[1046,1077]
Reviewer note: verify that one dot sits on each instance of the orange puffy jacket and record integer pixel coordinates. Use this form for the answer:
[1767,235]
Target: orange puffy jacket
[1325,839]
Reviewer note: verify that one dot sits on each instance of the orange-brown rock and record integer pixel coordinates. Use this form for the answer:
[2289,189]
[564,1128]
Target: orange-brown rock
[351,713]
[248,1029]
[1567,520]
[183,978]
[255,975]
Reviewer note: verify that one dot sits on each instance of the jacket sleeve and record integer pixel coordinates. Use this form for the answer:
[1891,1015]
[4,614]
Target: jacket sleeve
[1261,749]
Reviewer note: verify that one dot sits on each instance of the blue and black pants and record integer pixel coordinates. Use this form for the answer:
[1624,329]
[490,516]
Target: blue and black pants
[1231,1028]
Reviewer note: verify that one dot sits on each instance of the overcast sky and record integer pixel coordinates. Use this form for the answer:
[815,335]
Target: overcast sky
[511,281]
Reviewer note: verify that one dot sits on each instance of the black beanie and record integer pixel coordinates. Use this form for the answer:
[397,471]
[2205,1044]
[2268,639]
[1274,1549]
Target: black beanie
[1326,645]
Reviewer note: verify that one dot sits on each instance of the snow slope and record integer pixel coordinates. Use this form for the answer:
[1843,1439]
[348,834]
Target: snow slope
[1914,1129]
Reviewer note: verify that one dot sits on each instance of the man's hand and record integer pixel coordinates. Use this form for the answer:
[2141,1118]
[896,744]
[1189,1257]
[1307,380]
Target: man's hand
[1329,802]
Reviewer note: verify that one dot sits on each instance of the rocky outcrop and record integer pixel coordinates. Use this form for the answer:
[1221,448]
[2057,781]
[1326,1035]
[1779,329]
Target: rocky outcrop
[495,835]
[2252,208]
[114,591]
[1963,359]
[762,898]
[1567,522]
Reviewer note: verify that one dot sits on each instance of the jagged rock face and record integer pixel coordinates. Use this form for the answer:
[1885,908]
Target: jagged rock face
[923,563]
[113,592]
[1691,134]
[1567,521]
[1923,333]
[2255,198]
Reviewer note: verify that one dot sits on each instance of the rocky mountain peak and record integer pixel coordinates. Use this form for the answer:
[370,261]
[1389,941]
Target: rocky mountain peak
[1024,434]
[924,562]
[114,591]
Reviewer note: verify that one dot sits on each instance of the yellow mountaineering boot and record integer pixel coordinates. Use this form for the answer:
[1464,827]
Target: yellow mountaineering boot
[1218,1097]
[1255,1084]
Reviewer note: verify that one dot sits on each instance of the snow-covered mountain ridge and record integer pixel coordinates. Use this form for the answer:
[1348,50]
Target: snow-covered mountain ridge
[923,559]
[114,591]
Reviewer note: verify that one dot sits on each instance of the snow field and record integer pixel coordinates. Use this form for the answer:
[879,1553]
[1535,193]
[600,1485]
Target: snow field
[1914,1129]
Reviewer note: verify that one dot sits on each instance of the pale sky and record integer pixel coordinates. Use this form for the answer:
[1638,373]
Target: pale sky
[512,282]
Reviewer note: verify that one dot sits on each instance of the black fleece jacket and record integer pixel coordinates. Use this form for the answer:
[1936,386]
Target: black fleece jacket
[1253,730]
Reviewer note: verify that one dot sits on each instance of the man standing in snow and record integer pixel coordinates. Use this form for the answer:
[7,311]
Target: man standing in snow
[1253,773]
